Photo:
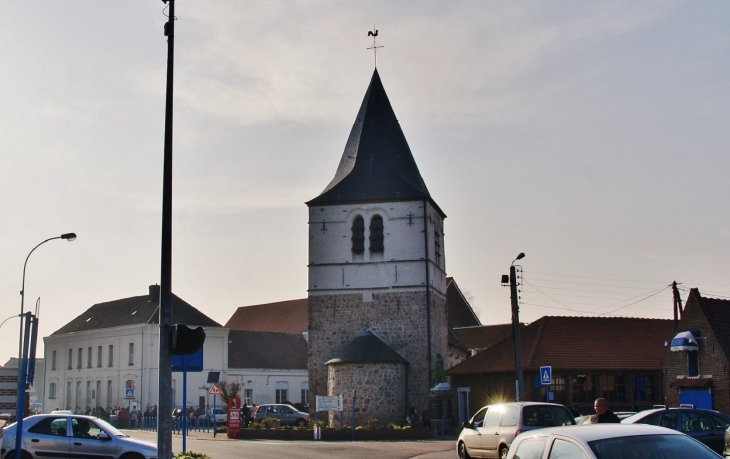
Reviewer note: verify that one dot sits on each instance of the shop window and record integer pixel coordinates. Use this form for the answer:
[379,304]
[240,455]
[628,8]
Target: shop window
[584,388]
[613,388]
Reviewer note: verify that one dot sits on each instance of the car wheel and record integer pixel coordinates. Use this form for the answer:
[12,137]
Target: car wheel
[462,451]
[132,456]
[503,452]
[301,422]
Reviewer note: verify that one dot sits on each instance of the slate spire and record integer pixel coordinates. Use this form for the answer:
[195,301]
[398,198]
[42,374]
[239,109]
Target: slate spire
[377,164]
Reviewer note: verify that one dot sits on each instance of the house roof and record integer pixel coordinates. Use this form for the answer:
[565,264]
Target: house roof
[135,310]
[460,312]
[283,317]
[255,349]
[579,343]
[717,313]
[367,348]
[377,164]
[484,336]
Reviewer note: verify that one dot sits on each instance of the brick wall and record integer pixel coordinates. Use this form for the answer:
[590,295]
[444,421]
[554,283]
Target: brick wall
[380,391]
[397,318]
[712,361]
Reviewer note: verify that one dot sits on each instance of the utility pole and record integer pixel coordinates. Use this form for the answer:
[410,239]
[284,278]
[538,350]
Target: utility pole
[164,418]
[520,380]
[677,305]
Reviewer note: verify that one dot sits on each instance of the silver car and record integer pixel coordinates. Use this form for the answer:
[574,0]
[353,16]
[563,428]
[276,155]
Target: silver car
[287,414]
[608,441]
[64,435]
[491,430]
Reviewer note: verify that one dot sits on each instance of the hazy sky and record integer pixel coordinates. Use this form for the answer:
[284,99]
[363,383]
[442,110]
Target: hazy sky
[593,136]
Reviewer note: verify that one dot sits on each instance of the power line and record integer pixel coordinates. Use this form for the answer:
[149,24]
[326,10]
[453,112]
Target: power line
[638,301]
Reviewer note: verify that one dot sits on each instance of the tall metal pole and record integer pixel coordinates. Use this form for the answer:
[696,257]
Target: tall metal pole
[164,418]
[520,389]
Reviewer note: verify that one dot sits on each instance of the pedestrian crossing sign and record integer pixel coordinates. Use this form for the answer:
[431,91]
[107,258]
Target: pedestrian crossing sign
[546,375]
[214,390]
[129,392]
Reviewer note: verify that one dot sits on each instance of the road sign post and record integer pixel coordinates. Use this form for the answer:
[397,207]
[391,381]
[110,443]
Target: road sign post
[546,378]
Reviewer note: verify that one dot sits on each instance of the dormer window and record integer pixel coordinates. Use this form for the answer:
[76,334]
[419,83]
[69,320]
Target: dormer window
[376,234]
[358,235]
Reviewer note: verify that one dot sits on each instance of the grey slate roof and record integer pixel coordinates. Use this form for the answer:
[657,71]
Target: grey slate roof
[133,311]
[253,349]
[367,348]
[377,164]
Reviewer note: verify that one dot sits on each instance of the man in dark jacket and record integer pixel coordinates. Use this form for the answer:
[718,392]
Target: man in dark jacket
[603,414]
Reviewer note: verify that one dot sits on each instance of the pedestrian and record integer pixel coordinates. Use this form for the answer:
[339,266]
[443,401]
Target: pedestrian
[412,415]
[426,417]
[244,415]
[603,414]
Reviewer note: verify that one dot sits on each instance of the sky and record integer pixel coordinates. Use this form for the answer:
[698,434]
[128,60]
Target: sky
[592,136]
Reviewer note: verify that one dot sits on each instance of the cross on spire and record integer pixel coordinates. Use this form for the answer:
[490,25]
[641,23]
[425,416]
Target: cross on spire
[375,45]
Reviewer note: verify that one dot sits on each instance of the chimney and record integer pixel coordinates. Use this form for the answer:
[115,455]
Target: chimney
[154,294]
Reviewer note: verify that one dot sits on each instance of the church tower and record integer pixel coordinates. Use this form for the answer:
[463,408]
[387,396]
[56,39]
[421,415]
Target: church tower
[377,282]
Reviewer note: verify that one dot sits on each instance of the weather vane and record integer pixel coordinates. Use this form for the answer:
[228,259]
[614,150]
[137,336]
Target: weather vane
[375,45]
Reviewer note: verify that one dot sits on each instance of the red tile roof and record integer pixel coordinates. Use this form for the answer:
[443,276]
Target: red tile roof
[283,317]
[579,343]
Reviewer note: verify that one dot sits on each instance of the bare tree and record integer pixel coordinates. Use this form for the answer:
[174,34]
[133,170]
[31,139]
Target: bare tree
[229,389]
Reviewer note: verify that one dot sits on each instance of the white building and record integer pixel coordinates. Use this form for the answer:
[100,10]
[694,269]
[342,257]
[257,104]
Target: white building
[114,346]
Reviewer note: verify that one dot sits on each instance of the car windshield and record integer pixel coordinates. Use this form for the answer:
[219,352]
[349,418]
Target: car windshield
[546,416]
[651,447]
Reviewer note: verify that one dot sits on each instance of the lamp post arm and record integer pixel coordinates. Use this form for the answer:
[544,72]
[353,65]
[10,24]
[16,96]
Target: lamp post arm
[22,289]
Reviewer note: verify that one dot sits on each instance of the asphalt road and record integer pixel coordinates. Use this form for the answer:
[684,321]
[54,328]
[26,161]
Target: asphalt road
[224,448]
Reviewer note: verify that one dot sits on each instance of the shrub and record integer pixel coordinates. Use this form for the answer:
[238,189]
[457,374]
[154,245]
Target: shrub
[192,455]
[268,422]
[373,424]
[255,425]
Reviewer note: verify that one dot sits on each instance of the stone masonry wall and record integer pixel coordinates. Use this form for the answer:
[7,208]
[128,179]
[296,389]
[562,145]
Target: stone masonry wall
[380,391]
[397,318]
[712,361]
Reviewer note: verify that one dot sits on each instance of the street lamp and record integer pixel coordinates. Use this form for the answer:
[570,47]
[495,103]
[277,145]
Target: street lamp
[520,380]
[21,367]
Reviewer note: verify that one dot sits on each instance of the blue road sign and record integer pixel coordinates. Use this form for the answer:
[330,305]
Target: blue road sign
[129,393]
[546,375]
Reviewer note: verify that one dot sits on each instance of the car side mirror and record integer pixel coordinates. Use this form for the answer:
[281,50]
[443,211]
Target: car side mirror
[466,424]
[103,436]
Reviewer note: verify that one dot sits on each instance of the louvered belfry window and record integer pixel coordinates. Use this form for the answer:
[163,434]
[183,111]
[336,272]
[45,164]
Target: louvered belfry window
[358,235]
[376,234]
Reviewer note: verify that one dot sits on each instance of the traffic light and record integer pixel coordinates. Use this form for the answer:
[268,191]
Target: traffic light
[186,340]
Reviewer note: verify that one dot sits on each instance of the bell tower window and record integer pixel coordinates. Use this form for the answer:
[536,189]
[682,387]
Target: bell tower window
[358,235]
[376,234]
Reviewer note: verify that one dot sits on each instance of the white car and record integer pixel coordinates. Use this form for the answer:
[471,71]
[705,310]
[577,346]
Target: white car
[64,435]
[608,441]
